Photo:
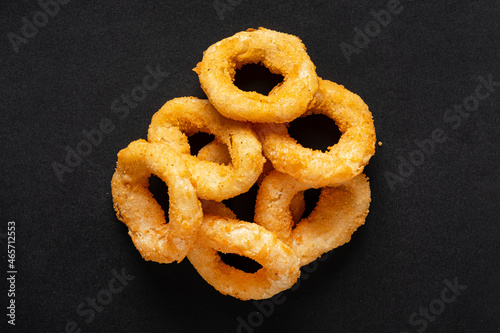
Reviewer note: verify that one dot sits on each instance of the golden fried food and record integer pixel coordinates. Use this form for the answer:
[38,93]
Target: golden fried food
[185,116]
[136,207]
[342,161]
[218,153]
[281,53]
[280,268]
[215,152]
[338,213]
[251,146]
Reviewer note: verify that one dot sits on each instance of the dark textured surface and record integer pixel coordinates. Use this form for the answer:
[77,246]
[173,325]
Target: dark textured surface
[430,221]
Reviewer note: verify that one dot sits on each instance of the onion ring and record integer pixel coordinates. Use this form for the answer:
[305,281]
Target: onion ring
[188,115]
[339,212]
[281,53]
[342,161]
[218,153]
[280,269]
[199,226]
[135,206]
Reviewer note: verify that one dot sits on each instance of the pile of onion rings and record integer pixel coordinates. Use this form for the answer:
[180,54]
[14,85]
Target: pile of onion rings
[251,146]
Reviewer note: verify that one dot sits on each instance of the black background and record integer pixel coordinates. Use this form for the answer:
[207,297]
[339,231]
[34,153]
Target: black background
[438,222]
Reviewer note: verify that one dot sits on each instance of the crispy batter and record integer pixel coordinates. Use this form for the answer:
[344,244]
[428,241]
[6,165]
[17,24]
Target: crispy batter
[218,153]
[185,116]
[281,53]
[215,152]
[338,213]
[280,268]
[199,225]
[136,207]
[343,160]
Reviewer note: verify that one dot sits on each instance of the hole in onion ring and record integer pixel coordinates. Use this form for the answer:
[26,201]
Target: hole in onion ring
[311,197]
[160,193]
[243,205]
[242,263]
[256,77]
[199,140]
[315,131]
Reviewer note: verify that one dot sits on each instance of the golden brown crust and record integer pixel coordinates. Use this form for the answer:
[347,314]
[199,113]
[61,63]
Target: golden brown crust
[135,206]
[342,161]
[280,268]
[199,225]
[185,116]
[281,53]
[338,213]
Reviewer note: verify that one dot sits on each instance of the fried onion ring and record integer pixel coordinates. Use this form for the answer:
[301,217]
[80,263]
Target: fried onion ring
[280,269]
[185,116]
[281,53]
[136,207]
[343,160]
[251,145]
[217,152]
[339,211]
